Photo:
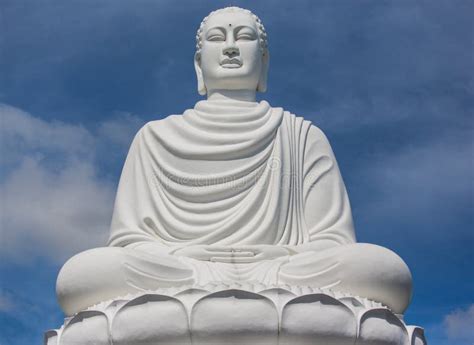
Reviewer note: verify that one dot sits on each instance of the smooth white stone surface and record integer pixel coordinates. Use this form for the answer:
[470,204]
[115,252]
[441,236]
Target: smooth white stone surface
[237,314]
[235,191]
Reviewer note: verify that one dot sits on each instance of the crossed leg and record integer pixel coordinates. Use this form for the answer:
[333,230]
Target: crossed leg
[360,269]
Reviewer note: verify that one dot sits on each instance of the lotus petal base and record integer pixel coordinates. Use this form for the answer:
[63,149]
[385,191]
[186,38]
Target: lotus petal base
[237,314]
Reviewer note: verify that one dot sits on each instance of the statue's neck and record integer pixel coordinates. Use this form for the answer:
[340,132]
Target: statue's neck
[231,95]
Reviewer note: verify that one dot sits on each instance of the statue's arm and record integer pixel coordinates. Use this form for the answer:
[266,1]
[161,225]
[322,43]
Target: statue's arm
[327,212]
[133,222]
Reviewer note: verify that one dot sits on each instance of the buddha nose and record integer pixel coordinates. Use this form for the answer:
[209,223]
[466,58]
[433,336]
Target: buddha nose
[231,50]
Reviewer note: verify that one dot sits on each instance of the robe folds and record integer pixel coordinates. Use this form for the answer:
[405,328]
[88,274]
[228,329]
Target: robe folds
[231,173]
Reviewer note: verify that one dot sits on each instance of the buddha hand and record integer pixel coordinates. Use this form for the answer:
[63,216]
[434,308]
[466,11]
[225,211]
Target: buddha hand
[233,254]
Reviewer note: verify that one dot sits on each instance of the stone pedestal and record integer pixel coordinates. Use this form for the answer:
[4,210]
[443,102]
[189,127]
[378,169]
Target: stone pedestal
[237,314]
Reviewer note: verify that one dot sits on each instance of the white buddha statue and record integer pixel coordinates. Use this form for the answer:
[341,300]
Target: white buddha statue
[232,190]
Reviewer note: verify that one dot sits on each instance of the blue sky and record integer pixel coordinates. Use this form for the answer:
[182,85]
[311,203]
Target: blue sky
[389,82]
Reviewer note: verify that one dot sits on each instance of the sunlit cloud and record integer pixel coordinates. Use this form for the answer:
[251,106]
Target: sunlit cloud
[54,201]
[459,324]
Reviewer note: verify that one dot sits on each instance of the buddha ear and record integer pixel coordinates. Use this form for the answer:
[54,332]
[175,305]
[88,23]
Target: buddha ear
[262,82]
[200,80]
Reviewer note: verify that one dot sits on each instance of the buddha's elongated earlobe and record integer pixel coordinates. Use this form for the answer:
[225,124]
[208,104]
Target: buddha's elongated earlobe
[262,82]
[200,80]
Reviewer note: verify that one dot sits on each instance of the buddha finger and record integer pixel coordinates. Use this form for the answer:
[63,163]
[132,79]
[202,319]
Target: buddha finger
[232,254]
[249,249]
[233,260]
[222,259]
[243,254]
[219,249]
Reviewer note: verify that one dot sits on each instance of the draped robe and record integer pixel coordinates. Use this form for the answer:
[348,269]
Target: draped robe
[232,174]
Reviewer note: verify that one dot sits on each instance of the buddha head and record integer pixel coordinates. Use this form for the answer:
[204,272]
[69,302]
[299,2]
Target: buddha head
[231,52]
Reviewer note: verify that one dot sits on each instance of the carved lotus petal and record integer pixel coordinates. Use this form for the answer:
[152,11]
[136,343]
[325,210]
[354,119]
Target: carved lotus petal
[163,320]
[87,327]
[317,319]
[382,327]
[234,315]
[237,314]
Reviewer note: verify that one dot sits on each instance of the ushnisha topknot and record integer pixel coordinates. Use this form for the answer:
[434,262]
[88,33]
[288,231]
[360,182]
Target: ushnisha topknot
[262,34]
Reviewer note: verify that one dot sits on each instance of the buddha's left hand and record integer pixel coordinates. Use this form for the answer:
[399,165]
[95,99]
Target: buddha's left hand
[261,252]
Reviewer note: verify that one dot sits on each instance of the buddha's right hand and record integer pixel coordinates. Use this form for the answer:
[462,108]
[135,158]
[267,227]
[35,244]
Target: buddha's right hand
[210,252]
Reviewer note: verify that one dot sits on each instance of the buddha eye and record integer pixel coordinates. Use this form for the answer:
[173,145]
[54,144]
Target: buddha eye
[216,38]
[245,37]
[245,33]
[215,35]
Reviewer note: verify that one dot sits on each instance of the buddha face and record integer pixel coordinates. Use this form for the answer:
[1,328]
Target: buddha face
[231,56]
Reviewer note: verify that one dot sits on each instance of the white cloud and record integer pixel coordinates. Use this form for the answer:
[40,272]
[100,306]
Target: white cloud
[25,134]
[53,214]
[6,303]
[422,181]
[54,201]
[119,132]
[40,134]
[459,324]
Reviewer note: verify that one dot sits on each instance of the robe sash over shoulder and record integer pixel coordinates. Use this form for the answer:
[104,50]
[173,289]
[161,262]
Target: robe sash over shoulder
[231,174]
